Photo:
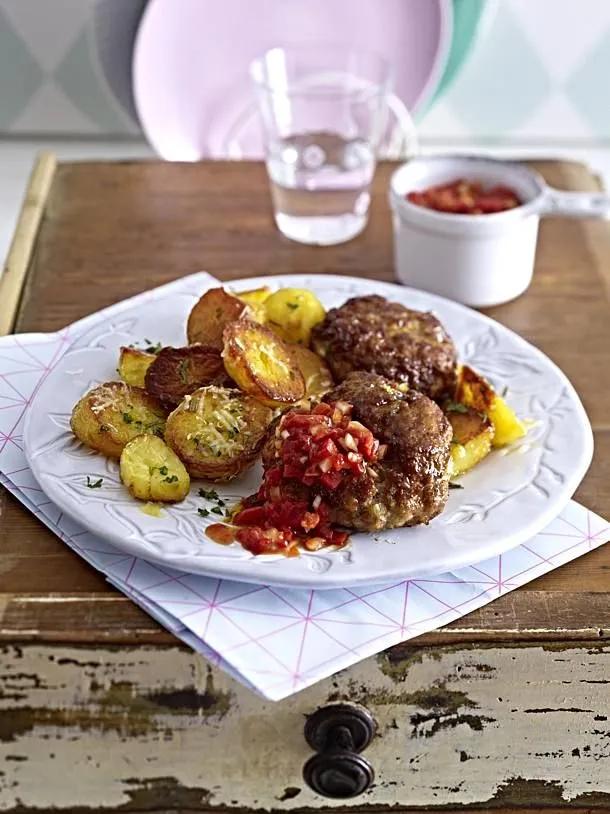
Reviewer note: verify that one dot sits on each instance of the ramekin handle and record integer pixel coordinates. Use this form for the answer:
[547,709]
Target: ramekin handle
[556,202]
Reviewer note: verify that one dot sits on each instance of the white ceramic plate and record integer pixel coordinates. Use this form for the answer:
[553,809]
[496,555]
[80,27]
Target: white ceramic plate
[505,501]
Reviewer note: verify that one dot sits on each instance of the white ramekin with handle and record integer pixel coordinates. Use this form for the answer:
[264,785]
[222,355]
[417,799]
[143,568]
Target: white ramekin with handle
[479,260]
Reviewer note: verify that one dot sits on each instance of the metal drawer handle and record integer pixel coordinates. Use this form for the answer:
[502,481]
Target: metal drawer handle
[338,733]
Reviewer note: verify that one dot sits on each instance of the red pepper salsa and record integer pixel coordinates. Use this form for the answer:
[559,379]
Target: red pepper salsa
[317,450]
[463,197]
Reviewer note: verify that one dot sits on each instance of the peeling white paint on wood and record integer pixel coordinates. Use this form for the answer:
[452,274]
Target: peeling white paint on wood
[101,727]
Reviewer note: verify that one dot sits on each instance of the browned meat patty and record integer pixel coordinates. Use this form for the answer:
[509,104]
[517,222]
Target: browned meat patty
[410,485]
[370,333]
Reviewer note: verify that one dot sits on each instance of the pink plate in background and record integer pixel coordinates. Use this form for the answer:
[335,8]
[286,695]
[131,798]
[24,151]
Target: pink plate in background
[190,66]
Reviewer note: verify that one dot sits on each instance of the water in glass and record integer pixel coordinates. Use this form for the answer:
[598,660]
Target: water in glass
[320,185]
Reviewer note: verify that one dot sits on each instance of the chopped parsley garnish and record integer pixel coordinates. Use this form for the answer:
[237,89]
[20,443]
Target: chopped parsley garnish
[94,484]
[171,479]
[292,305]
[455,485]
[455,407]
[151,347]
[211,495]
[504,391]
[154,427]
[183,370]
[163,470]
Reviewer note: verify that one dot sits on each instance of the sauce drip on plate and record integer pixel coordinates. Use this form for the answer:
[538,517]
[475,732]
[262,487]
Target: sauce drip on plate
[221,533]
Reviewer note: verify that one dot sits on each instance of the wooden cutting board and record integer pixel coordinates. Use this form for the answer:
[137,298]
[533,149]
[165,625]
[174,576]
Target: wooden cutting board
[95,233]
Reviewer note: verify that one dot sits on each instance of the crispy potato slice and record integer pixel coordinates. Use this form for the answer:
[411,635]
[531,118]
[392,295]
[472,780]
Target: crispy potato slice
[474,391]
[217,432]
[133,364]
[508,426]
[109,416]
[292,313]
[211,314]
[467,423]
[176,372]
[318,378]
[261,364]
[152,471]
[472,437]
[466,456]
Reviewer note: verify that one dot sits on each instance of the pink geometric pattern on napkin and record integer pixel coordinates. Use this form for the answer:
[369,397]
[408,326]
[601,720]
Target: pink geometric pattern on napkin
[276,641]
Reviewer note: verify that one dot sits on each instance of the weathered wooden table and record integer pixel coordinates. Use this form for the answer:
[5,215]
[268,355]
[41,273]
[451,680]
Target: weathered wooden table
[102,709]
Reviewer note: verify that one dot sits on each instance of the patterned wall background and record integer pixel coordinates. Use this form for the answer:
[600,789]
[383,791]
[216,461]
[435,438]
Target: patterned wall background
[539,70]
[65,66]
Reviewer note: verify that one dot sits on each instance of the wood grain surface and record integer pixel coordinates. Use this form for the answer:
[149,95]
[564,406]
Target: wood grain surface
[17,265]
[112,230]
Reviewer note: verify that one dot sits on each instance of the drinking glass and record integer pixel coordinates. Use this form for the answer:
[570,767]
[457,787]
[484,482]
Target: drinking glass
[324,112]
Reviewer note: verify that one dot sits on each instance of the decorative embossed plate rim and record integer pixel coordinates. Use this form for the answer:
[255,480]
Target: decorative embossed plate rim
[505,501]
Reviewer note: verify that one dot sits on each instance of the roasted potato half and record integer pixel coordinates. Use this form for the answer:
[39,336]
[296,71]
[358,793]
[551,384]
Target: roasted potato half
[217,432]
[474,391]
[211,314]
[133,364]
[152,471]
[316,375]
[292,313]
[472,437]
[261,364]
[255,298]
[109,416]
[176,372]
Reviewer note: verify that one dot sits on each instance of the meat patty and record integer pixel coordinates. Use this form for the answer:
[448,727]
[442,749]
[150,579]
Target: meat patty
[410,485]
[370,333]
